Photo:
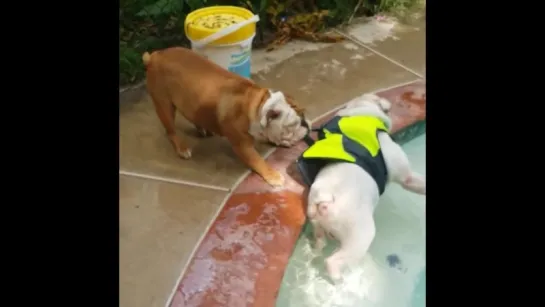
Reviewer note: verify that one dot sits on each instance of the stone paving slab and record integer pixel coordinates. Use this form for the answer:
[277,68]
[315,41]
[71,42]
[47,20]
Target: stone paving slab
[323,79]
[403,43]
[144,148]
[159,224]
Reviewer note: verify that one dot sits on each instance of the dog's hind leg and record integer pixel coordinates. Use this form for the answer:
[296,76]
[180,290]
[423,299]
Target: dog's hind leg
[353,247]
[315,210]
[319,235]
[166,111]
[399,168]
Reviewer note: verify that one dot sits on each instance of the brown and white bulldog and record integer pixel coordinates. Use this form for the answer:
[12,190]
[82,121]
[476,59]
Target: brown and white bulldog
[219,102]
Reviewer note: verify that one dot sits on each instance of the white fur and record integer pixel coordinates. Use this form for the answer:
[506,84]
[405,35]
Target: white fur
[343,197]
[285,130]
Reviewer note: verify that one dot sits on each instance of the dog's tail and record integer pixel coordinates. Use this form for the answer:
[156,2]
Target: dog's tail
[146,58]
[322,202]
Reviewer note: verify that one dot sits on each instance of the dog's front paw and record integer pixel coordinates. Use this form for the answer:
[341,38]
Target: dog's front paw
[185,153]
[274,178]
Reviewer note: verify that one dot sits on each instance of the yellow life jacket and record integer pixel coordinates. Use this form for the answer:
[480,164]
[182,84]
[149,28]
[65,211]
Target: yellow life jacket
[351,139]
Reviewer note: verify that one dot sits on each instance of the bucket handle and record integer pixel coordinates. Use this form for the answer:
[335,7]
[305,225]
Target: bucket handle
[224,32]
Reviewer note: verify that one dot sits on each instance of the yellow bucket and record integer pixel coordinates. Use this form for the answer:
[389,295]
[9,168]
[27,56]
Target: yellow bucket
[224,35]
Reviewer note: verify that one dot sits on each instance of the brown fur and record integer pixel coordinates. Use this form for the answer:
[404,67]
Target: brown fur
[215,100]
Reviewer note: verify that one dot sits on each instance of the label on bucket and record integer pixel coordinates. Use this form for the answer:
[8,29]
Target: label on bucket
[235,58]
[240,62]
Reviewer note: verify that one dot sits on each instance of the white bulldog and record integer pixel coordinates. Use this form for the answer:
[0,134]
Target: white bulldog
[343,197]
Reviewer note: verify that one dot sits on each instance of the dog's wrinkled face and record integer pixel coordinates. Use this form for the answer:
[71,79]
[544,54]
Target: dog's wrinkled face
[370,101]
[279,122]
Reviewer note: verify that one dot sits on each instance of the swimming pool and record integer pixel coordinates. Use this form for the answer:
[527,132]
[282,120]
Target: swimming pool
[392,274]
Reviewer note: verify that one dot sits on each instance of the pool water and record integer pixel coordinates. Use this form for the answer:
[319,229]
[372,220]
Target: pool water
[392,274]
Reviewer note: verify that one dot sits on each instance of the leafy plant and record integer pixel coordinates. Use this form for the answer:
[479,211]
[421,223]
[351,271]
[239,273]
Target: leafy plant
[162,7]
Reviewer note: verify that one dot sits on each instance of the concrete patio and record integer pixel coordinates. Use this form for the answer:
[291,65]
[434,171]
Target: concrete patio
[175,213]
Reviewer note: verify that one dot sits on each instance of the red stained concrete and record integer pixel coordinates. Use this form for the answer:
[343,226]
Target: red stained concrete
[243,256]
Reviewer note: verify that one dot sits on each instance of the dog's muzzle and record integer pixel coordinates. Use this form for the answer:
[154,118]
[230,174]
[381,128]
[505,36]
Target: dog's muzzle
[306,138]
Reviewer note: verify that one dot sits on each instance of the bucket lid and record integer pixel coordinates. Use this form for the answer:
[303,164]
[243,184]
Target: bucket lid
[206,21]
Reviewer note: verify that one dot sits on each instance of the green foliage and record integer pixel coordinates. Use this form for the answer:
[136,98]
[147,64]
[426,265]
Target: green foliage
[146,25]
[341,10]
[161,7]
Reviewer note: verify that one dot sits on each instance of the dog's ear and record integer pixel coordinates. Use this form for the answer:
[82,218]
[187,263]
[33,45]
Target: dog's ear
[299,110]
[273,112]
[384,104]
[271,115]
